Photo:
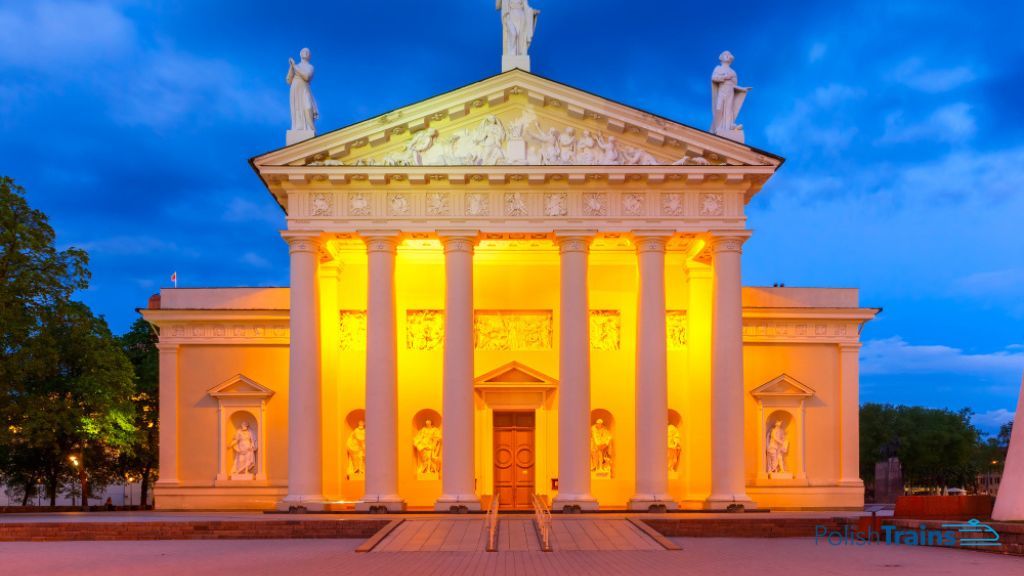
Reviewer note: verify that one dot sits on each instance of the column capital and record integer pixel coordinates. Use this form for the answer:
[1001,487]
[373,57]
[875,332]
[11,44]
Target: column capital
[168,346]
[727,241]
[574,240]
[302,241]
[380,240]
[845,346]
[651,240]
[458,240]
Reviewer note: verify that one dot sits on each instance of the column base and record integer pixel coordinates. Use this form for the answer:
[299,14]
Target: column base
[296,136]
[301,504]
[851,482]
[574,503]
[381,504]
[458,503]
[729,502]
[510,62]
[652,503]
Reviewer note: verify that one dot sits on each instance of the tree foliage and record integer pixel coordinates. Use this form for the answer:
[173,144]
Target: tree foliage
[936,447]
[66,387]
[139,346]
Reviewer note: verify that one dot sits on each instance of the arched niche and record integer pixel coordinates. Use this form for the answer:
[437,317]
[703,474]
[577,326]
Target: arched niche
[674,443]
[782,399]
[427,444]
[355,445]
[241,400]
[602,444]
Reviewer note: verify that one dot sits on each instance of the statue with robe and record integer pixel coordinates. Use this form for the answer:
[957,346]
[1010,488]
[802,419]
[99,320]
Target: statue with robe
[245,447]
[600,449]
[776,447]
[675,447]
[428,450]
[726,99]
[303,106]
[518,22]
[356,446]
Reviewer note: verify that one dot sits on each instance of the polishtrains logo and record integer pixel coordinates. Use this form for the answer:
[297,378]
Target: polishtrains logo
[973,533]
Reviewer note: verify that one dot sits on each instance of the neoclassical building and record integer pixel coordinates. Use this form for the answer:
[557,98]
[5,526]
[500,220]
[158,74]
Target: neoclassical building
[515,287]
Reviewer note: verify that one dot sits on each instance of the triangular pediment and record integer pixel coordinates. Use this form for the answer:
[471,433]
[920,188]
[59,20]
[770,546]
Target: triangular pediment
[240,386]
[515,374]
[517,118]
[782,385]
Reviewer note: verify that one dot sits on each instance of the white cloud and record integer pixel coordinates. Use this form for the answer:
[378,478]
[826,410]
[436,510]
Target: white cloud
[48,34]
[817,52]
[897,356]
[992,419]
[914,74]
[171,85]
[255,260]
[1006,281]
[128,245]
[813,122]
[241,210]
[952,123]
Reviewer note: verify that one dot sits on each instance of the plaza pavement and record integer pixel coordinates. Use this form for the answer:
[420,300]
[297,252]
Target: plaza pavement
[700,556]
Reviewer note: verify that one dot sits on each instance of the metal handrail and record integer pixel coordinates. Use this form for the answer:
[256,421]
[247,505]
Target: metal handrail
[492,524]
[542,515]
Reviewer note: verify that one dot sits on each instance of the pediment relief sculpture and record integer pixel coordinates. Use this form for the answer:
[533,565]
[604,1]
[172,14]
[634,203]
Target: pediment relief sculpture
[523,140]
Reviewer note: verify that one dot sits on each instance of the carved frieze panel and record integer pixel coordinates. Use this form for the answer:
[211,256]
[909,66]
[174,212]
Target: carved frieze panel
[513,329]
[398,205]
[477,204]
[224,332]
[556,204]
[605,330]
[424,329]
[322,204]
[712,204]
[633,204]
[358,204]
[353,330]
[515,204]
[800,330]
[595,204]
[672,204]
[675,328]
[439,204]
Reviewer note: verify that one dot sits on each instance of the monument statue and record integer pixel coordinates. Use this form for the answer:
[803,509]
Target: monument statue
[428,450]
[518,23]
[356,446]
[726,99]
[244,446]
[600,449]
[776,447]
[675,447]
[303,105]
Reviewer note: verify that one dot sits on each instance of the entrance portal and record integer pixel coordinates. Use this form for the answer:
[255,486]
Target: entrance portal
[514,459]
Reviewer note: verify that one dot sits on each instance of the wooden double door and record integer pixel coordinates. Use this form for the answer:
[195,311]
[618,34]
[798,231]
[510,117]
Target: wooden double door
[514,459]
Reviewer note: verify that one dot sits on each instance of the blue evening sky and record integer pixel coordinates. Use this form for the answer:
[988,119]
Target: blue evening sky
[130,123]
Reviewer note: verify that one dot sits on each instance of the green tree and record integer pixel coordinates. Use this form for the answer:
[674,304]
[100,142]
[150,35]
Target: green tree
[936,447]
[139,345]
[34,276]
[77,412]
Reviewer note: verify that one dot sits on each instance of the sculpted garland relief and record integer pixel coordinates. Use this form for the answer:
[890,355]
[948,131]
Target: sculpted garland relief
[675,324]
[353,330]
[605,330]
[513,330]
[424,329]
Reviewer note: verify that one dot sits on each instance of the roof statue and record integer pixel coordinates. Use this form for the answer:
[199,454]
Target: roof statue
[303,106]
[726,99]
[518,23]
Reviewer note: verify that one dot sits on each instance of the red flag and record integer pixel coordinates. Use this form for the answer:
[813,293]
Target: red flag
[174,278]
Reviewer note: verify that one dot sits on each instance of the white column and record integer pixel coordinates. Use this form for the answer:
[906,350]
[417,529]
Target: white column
[728,485]
[381,377]
[574,375]
[849,415]
[168,414]
[305,467]
[458,486]
[651,377]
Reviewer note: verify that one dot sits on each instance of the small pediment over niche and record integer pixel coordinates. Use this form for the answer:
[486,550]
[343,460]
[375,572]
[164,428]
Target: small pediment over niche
[240,386]
[782,385]
[514,374]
